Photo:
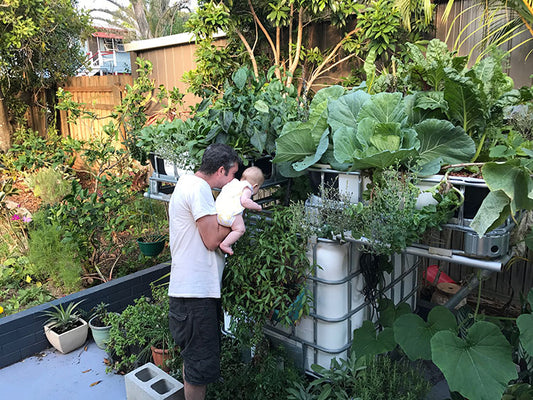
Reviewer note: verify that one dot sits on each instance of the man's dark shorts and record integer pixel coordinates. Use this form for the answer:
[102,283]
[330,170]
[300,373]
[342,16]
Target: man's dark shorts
[195,326]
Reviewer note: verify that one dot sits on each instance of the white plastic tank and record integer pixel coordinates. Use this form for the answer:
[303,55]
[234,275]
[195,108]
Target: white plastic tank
[332,300]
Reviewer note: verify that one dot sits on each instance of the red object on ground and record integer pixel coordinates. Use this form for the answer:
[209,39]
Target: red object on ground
[431,273]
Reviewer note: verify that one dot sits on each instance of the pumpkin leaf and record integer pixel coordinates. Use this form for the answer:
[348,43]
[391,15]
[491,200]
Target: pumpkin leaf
[525,325]
[413,334]
[479,366]
[388,312]
[367,342]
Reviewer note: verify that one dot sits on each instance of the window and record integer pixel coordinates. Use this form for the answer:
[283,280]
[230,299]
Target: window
[113,44]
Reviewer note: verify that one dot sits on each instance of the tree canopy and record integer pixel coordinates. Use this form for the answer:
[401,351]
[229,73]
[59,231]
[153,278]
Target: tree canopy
[146,19]
[39,47]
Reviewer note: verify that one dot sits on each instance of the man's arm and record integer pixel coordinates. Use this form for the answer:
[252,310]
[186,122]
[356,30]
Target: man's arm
[211,232]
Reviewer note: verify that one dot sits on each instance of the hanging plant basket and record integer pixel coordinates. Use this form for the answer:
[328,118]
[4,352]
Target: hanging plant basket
[151,245]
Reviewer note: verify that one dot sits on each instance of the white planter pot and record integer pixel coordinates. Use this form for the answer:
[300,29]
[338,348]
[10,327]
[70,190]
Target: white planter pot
[67,341]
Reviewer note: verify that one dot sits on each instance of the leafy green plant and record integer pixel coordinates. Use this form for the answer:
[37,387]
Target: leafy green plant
[63,319]
[20,290]
[465,354]
[380,377]
[266,377]
[266,273]
[140,326]
[50,184]
[30,151]
[52,255]
[358,131]
[100,314]
[389,217]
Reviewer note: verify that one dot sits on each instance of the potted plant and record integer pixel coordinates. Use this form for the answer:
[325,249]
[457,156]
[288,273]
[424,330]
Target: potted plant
[100,325]
[152,240]
[64,328]
[266,275]
[137,329]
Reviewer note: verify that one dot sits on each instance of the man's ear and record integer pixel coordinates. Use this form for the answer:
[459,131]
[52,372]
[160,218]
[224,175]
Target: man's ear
[222,171]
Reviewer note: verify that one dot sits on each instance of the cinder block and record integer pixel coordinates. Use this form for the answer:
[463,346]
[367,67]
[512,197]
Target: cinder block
[149,382]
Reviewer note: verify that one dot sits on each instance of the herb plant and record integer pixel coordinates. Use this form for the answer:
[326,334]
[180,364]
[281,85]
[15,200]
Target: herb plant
[266,274]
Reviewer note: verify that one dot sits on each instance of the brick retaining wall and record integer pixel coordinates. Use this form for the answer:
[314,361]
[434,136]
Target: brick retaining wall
[22,334]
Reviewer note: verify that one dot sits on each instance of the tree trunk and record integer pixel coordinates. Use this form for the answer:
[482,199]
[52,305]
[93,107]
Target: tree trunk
[140,17]
[5,127]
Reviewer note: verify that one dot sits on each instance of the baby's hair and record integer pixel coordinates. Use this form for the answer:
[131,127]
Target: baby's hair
[254,175]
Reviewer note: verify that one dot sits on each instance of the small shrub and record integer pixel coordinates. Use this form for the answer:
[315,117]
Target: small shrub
[265,378]
[50,184]
[386,379]
[53,256]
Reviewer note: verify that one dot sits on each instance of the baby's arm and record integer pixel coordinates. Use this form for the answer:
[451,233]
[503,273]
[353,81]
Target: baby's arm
[247,202]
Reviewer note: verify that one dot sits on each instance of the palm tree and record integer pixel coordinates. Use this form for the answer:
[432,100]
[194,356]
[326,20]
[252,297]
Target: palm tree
[146,18]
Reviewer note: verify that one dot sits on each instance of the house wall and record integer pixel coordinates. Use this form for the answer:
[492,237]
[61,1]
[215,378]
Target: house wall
[170,62]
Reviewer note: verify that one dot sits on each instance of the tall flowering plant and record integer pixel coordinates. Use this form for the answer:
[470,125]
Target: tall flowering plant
[13,222]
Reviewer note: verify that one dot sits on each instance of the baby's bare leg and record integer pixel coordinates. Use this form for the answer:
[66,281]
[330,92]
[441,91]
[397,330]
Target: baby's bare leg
[237,230]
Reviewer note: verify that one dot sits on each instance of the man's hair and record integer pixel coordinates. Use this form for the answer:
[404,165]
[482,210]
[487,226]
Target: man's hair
[218,155]
[253,175]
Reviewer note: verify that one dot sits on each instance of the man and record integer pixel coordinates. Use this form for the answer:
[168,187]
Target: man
[197,266]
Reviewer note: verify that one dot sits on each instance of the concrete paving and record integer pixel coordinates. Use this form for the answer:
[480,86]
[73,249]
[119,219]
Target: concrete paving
[78,375]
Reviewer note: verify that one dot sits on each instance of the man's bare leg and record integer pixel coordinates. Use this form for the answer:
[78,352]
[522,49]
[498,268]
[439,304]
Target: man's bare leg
[193,392]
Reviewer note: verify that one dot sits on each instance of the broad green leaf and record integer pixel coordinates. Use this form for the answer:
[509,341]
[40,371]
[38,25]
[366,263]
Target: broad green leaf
[327,94]
[478,367]
[431,101]
[442,140]
[525,325]
[295,143]
[261,106]
[413,334]
[343,111]
[345,144]
[511,178]
[384,107]
[286,169]
[383,159]
[465,105]
[492,212]
[240,77]
[388,312]
[258,139]
[529,240]
[314,158]
[367,343]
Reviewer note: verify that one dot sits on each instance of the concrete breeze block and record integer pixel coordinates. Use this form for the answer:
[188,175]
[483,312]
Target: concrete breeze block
[149,382]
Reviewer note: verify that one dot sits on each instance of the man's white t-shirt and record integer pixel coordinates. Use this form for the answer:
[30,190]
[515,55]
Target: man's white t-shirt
[195,271]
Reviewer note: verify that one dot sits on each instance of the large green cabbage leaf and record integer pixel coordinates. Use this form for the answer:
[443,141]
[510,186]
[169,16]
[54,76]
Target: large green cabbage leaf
[370,130]
[443,142]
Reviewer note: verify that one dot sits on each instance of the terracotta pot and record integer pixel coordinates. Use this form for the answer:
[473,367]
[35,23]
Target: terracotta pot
[160,356]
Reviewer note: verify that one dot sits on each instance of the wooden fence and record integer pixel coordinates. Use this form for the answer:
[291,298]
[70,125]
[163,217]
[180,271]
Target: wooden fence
[100,94]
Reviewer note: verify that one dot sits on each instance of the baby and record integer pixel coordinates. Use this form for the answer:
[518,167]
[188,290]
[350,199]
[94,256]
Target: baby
[234,197]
